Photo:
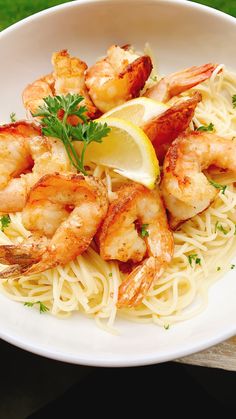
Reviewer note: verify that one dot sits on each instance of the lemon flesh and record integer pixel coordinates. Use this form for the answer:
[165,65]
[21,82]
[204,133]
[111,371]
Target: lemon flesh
[128,151]
[138,111]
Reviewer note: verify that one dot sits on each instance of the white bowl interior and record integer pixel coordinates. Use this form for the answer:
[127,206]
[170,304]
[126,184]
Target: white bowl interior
[181,34]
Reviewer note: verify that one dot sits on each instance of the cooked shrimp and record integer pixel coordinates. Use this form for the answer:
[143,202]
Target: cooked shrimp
[185,188]
[68,77]
[35,92]
[136,230]
[64,212]
[25,156]
[176,83]
[164,128]
[117,78]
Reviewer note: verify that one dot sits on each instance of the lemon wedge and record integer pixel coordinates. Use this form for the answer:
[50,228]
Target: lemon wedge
[128,151]
[138,111]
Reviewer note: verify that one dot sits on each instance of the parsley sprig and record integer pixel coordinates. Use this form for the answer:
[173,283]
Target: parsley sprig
[4,222]
[55,113]
[42,307]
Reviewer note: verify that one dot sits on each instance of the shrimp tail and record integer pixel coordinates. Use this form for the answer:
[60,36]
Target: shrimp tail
[25,260]
[22,257]
[135,287]
[22,254]
[179,82]
[191,77]
[15,271]
[164,128]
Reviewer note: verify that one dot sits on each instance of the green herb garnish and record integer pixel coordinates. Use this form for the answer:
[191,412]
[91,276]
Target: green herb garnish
[55,113]
[232,266]
[110,274]
[166,326]
[4,221]
[209,127]
[218,268]
[218,186]
[195,258]
[42,307]
[219,227]
[144,232]
[154,78]
[13,117]
[234,101]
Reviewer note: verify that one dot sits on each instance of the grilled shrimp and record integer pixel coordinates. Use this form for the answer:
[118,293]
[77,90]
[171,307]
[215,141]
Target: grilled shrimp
[67,77]
[35,92]
[136,230]
[164,128]
[185,188]
[25,156]
[63,212]
[176,83]
[117,78]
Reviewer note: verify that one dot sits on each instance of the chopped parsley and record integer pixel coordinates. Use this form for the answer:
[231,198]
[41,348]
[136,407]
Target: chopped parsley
[4,221]
[209,127]
[234,101]
[13,117]
[166,326]
[218,186]
[218,268]
[144,232]
[42,307]
[232,266]
[195,258]
[153,78]
[110,274]
[219,227]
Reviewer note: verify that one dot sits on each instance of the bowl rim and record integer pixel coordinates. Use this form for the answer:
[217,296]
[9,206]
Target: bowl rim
[117,362]
[138,360]
[187,3]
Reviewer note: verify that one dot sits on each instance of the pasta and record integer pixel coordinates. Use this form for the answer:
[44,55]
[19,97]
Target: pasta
[89,284]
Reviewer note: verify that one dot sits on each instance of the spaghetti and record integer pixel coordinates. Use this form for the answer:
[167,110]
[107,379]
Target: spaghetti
[89,284]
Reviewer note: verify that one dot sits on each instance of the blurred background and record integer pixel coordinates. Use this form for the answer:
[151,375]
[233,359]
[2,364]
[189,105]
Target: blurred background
[34,387]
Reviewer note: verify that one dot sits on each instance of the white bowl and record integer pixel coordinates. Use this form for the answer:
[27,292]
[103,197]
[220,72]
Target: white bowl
[181,34]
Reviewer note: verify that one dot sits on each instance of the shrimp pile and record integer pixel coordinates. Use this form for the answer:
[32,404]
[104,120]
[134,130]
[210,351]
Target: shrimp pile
[66,213]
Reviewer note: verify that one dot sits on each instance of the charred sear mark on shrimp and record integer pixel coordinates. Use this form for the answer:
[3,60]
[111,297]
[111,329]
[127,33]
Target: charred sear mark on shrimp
[164,128]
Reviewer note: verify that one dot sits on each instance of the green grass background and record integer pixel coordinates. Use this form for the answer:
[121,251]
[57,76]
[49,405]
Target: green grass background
[13,10]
